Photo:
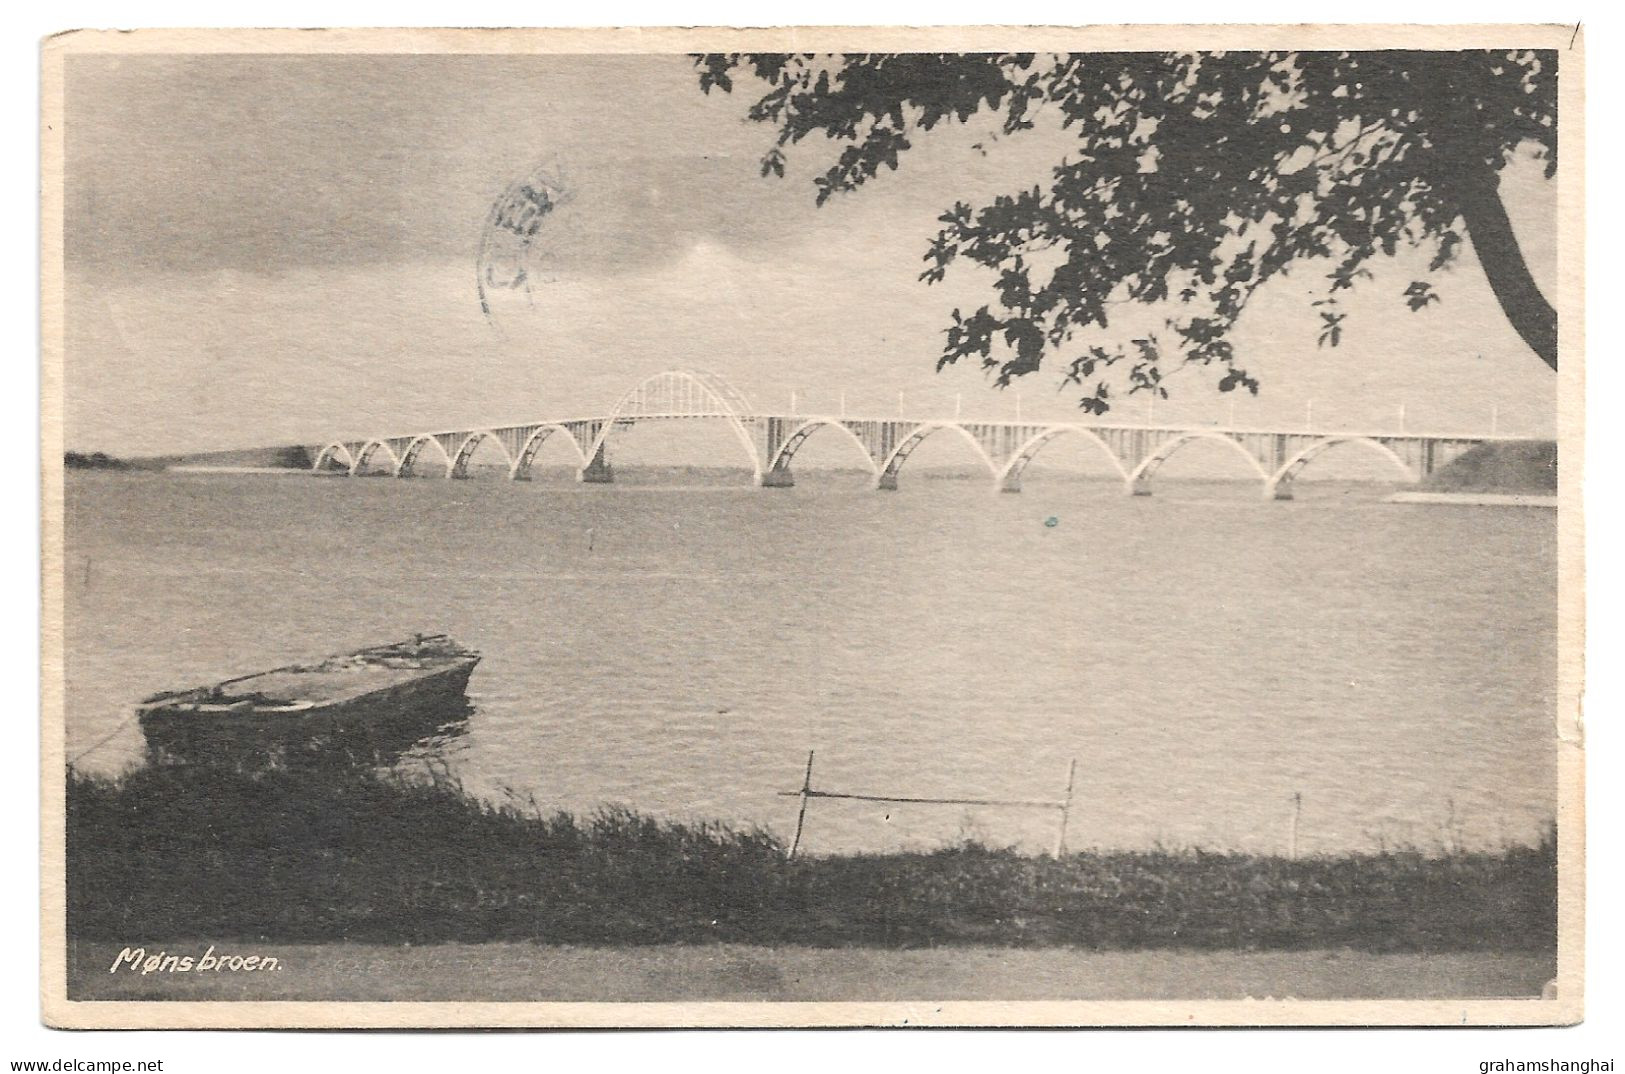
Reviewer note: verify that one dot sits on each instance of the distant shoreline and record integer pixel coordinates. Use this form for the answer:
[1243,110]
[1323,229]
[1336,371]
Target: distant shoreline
[1477,499]
[235,470]
[1521,474]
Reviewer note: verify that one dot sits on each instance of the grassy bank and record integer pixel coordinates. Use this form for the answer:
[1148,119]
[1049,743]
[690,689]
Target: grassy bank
[1529,468]
[324,856]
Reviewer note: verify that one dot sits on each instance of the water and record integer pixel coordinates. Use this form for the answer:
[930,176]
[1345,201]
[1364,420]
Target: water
[1203,655]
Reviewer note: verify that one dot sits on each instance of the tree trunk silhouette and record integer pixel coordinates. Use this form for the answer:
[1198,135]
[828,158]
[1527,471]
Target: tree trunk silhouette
[1477,196]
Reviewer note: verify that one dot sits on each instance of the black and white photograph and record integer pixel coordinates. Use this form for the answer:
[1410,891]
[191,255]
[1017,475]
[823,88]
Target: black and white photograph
[830,527]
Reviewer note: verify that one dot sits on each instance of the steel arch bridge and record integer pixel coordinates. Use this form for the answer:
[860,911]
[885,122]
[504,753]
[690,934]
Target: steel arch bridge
[769,441]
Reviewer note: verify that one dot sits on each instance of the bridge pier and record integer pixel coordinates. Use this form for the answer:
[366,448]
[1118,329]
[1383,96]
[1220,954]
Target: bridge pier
[779,477]
[1278,490]
[886,481]
[1009,481]
[1140,486]
[597,471]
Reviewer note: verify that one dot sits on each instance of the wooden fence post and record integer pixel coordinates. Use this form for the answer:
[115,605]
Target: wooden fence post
[806,794]
[1066,807]
[801,818]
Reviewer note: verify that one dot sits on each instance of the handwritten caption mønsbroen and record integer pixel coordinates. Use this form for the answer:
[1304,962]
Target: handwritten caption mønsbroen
[139,960]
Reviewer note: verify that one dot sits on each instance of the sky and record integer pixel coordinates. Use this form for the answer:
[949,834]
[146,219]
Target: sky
[281,249]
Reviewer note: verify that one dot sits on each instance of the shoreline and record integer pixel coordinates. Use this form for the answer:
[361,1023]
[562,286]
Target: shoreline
[233,470]
[1477,499]
[333,856]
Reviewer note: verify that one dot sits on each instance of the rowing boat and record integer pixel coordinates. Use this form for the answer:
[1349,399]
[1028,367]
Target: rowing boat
[332,701]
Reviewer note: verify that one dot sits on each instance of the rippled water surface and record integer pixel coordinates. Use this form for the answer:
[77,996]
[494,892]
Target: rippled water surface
[1204,656]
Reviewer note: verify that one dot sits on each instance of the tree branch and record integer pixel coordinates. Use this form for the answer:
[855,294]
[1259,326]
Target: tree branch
[1475,187]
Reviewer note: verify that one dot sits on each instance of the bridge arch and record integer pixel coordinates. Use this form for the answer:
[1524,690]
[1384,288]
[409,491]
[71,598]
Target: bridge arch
[684,393]
[520,469]
[886,477]
[330,453]
[368,450]
[1139,479]
[800,435]
[1293,466]
[471,442]
[409,457]
[1010,476]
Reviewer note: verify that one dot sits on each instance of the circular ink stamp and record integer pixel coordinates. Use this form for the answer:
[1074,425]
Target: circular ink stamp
[518,242]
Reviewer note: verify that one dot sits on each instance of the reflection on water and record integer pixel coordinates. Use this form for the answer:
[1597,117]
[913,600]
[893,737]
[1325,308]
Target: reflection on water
[452,724]
[409,734]
[1204,656]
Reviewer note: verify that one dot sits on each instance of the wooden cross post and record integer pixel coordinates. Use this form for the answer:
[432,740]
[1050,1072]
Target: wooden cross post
[801,818]
[1066,807]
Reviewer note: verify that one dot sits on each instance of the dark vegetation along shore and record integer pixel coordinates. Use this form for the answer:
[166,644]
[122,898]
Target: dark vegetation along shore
[292,458]
[296,855]
[97,460]
[1528,467]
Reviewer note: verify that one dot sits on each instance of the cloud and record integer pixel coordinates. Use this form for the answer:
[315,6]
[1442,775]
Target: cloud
[268,163]
[271,249]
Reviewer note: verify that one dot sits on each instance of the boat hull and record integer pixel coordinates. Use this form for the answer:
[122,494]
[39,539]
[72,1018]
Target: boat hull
[379,721]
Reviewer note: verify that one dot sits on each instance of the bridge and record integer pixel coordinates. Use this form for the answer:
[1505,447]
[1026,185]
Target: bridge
[769,442]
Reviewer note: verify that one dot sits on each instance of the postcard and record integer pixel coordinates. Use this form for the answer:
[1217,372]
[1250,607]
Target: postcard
[813,527]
